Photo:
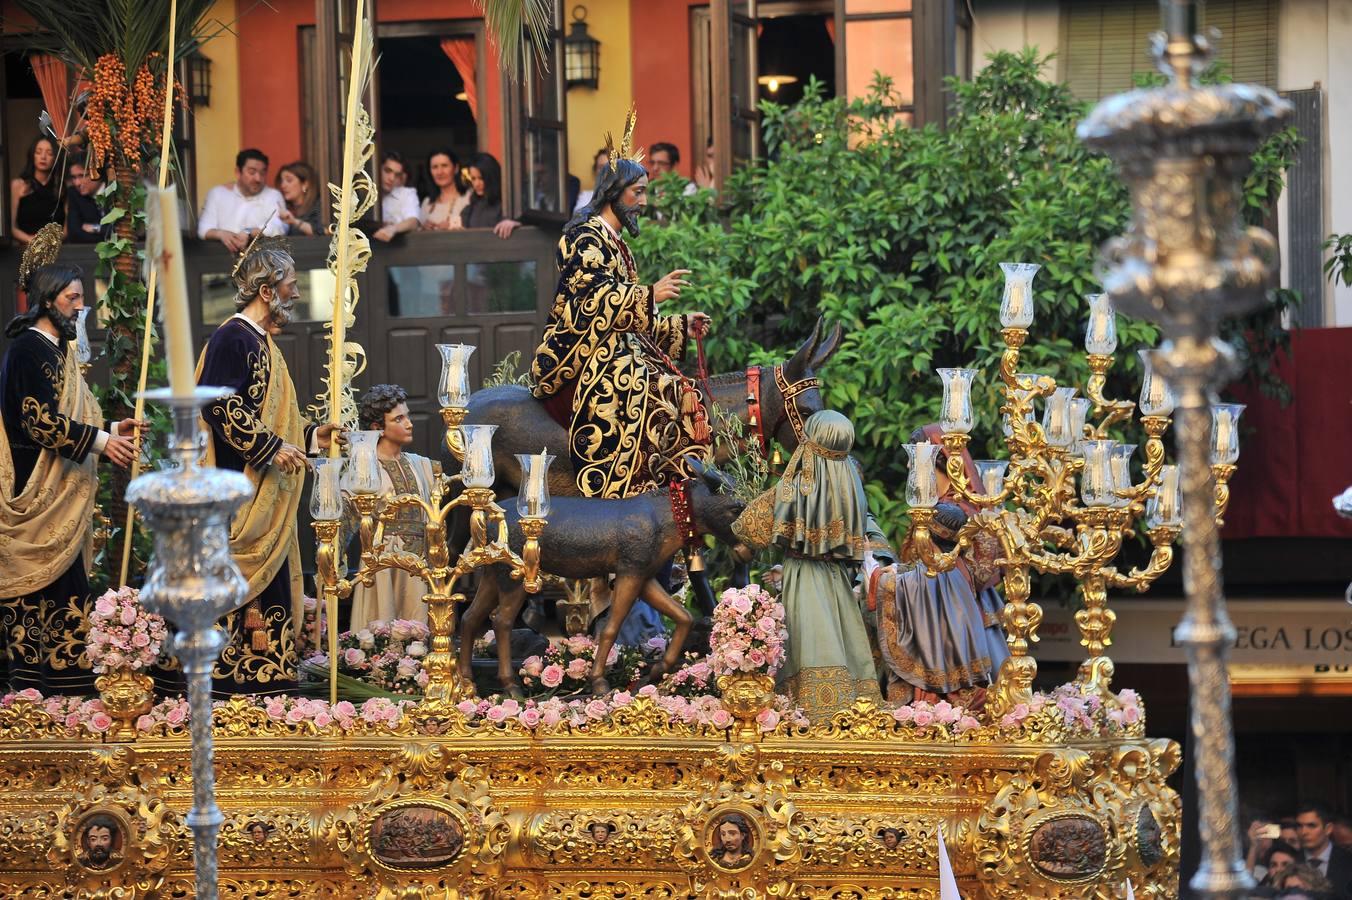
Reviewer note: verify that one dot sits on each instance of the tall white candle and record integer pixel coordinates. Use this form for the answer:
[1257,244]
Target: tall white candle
[173,292]
[536,495]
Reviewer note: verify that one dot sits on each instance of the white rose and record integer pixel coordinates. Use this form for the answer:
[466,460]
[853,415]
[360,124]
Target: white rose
[417,649]
[366,639]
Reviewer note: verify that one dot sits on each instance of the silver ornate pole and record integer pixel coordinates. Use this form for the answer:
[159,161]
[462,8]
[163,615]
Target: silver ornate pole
[193,582]
[1186,262]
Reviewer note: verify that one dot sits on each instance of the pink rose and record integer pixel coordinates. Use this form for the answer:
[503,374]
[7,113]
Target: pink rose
[578,668]
[768,719]
[622,698]
[596,709]
[967,723]
[923,718]
[322,718]
[140,639]
[757,658]
[552,675]
[344,709]
[295,715]
[721,718]
[904,714]
[741,604]
[467,708]
[1131,714]
[354,656]
[145,723]
[551,716]
[496,714]
[105,606]
[32,695]
[176,716]
[99,722]
[128,615]
[530,717]
[648,690]
[533,666]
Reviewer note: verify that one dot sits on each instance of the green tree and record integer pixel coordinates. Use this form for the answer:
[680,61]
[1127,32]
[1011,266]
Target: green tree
[897,233]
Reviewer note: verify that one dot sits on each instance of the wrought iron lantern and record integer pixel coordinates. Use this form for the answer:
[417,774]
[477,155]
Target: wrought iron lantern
[199,80]
[581,53]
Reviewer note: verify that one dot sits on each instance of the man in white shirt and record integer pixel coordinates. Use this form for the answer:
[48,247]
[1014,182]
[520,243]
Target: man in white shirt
[234,213]
[399,205]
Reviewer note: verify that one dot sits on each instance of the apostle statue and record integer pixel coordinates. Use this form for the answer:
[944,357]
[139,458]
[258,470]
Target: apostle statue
[53,433]
[606,368]
[258,430]
[394,593]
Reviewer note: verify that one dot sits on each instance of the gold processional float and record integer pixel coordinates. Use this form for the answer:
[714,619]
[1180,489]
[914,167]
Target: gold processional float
[1044,795]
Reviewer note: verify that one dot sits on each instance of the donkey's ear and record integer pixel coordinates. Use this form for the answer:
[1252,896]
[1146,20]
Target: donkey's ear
[801,362]
[696,465]
[828,347]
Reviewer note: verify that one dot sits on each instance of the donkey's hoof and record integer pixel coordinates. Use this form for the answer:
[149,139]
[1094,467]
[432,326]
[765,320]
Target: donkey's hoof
[512,689]
[599,686]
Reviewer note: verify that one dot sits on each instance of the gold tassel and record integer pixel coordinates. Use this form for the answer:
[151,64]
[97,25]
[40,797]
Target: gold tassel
[253,616]
[260,641]
[689,400]
[699,429]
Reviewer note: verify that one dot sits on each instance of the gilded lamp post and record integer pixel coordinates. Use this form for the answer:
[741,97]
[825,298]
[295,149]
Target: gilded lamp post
[1186,261]
[357,479]
[1067,497]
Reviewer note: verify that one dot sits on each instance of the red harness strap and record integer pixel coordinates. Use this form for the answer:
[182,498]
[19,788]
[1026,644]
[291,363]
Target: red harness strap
[681,512]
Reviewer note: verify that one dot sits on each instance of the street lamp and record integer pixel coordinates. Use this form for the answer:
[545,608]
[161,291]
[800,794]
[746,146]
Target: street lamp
[581,53]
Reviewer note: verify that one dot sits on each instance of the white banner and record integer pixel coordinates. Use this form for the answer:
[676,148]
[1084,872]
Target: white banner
[1272,632]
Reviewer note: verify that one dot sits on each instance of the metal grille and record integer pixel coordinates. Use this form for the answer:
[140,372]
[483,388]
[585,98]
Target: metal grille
[1305,206]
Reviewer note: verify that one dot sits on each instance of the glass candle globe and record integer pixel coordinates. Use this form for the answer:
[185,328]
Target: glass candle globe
[1156,398]
[1121,463]
[1166,506]
[1079,412]
[83,352]
[922,482]
[1057,421]
[1096,481]
[533,498]
[361,475]
[956,413]
[453,388]
[478,465]
[1016,303]
[326,494]
[1225,433]
[1100,333]
[992,472]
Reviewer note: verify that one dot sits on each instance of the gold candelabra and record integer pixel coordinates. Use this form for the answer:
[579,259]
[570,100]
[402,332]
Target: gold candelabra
[358,478]
[1031,505]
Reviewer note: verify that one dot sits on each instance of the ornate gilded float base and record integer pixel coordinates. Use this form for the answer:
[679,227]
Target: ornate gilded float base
[639,808]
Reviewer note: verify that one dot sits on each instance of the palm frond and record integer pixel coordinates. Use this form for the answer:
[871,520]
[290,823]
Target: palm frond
[521,30]
[80,31]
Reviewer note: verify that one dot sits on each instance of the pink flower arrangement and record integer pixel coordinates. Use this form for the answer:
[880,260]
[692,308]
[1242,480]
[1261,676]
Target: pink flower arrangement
[1079,711]
[748,635]
[122,634]
[77,714]
[942,716]
[565,668]
[388,655]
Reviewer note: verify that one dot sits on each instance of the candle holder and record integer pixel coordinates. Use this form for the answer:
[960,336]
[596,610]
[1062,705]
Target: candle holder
[1062,504]
[192,581]
[488,546]
[453,393]
[1187,261]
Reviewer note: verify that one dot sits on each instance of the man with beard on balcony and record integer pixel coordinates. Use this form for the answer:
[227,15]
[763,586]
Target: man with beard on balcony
[258,430]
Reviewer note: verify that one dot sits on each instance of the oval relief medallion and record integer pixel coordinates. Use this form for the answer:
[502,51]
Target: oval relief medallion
[1068,847]
[416,837]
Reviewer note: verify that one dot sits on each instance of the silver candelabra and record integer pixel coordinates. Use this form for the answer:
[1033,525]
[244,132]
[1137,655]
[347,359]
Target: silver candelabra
[1186,262]
[192,581]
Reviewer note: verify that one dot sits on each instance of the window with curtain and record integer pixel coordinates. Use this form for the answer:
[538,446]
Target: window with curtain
[1105,43]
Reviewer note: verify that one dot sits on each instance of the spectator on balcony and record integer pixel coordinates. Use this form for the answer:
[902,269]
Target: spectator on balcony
[704,173]
[444,195]
[485,205]
[235,212]
[300,199]
[399,205]
[662,160]
[82,213]
[599,161]
[36,195]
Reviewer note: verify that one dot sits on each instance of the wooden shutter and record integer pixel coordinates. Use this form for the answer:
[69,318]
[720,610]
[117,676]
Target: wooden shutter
[1105,43]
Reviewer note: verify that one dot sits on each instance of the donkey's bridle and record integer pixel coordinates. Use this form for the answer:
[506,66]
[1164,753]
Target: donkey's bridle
[788,391]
